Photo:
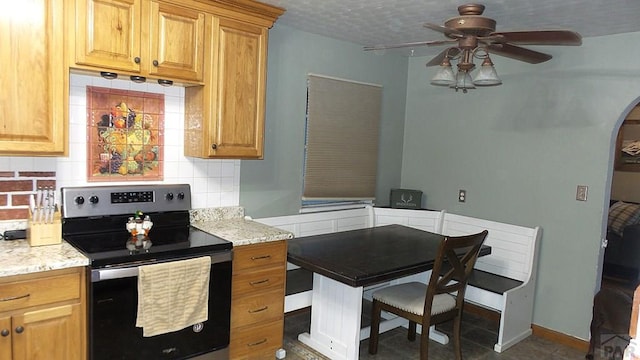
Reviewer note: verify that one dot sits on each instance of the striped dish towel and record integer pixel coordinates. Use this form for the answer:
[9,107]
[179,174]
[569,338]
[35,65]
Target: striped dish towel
[173,295]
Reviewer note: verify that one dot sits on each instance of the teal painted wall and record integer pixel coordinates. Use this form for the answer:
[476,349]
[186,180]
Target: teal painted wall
[521,149]
[273,186]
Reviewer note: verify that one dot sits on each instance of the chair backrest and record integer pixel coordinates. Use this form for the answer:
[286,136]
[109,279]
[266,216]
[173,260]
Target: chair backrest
[457,255]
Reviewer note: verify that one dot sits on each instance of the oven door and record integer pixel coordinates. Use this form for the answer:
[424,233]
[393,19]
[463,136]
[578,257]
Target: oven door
[113,310]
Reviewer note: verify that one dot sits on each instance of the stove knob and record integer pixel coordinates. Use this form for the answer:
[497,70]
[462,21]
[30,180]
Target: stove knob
[180,196]
[169,196]
[94,199]
[79,200]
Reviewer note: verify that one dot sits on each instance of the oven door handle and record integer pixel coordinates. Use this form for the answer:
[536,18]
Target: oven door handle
[131,270]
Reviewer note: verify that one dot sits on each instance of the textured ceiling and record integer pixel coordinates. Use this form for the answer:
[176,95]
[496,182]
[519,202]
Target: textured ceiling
[373,22]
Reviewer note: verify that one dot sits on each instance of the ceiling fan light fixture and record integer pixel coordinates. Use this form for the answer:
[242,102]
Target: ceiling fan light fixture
[445,75]
[487,74]
[463,82]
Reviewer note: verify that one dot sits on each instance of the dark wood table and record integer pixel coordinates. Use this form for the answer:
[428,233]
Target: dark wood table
[343,264]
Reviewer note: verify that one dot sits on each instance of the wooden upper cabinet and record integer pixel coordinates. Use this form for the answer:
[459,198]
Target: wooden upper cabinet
[177,42]
[225,119]
[108,34]
[140,37]
[239,126]
[34,82]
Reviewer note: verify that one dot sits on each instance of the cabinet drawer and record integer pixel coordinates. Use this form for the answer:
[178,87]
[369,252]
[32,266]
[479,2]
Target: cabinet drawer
[250,256]
[256,342]
[45,290]
[252,309]
[258,280]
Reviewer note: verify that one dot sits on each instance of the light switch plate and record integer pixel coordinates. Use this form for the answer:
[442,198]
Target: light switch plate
[581,193]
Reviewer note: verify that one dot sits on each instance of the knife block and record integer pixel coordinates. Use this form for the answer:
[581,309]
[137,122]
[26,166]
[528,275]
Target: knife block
[41,233]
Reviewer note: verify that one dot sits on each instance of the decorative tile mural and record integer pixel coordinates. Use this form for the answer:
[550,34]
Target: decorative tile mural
[125,135]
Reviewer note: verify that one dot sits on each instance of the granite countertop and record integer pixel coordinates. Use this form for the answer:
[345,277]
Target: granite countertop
[230,224]
[18,257]
[241,231]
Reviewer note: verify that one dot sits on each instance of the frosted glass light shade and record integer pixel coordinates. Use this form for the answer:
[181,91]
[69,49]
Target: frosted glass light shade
[463,81]
[487,76]
[444,76]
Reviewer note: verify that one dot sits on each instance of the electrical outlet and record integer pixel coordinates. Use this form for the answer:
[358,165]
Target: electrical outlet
[581,193]
[462,195]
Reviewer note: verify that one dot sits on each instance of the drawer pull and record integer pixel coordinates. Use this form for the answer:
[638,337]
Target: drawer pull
[15,297]
[258,342]
[19,329]
[4,332]
[253,283]
[258,310]
[261,257]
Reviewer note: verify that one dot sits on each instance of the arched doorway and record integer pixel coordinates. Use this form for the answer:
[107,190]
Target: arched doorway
[621,260]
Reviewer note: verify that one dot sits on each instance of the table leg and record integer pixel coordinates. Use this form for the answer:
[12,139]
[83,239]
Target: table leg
[335,319]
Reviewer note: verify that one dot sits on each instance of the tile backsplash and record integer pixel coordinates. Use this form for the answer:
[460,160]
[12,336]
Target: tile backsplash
[214,183]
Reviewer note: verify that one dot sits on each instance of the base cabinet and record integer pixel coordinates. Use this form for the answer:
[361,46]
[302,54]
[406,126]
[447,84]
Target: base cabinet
[43,316]
[257,300]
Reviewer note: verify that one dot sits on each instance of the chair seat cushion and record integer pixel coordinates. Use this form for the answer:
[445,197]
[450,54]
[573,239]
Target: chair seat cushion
[410,297]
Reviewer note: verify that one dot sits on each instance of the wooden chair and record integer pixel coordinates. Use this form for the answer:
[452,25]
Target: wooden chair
[433,303]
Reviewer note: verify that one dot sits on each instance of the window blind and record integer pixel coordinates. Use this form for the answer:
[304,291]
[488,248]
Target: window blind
[341,154]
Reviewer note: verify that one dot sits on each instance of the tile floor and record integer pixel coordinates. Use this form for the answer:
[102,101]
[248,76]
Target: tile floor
[478,335]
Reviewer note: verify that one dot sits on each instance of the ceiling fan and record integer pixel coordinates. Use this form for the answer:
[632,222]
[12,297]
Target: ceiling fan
[471,35]
[471,29]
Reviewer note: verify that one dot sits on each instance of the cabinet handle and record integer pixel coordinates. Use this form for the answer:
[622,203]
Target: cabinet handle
[136,60]
[261,257]
[214,146]
[258,310]
[4,332]
[155,63]
[252,283]
[258,342]
[19,329]
[15,297]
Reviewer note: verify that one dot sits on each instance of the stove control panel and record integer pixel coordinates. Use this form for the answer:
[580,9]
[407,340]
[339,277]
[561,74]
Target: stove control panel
[87,201]
[132,197]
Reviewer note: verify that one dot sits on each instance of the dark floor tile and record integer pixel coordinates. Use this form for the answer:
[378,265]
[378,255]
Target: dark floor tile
[478,338]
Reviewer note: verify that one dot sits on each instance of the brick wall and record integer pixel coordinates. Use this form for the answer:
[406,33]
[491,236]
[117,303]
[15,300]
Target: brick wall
[15,189]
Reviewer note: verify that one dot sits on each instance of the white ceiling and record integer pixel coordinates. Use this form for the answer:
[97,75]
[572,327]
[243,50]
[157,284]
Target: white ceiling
[373,22]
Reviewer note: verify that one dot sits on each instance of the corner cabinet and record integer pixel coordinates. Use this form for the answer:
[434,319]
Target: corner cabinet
[43,316]
[140,37]
[35,86]
[257,300]
[225,117]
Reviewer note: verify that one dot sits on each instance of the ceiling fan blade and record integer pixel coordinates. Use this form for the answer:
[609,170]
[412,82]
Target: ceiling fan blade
[396,46]
[441,42]
[518,53]
[451,52]
[537,37]
[445,30]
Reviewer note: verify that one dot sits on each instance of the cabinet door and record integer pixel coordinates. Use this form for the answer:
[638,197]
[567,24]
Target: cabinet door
[48,334]
[176,42]
[108,34]
[238,123]
[5,338]
[32,99]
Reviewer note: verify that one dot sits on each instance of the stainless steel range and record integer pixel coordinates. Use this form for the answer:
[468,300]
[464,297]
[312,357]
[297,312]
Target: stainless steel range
[95,222]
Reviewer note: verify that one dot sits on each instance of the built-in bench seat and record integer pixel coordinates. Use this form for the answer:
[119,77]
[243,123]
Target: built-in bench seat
[298,281]
[490,282]
[503,281]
